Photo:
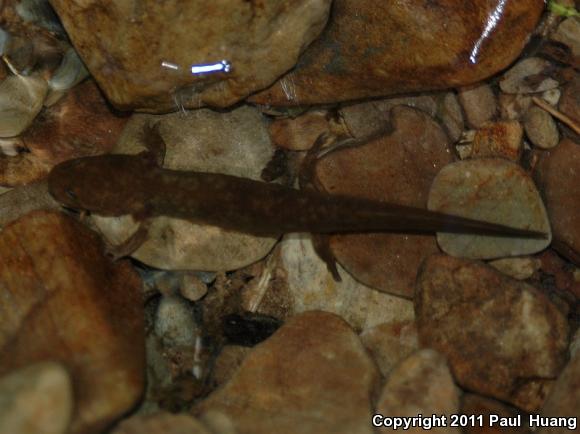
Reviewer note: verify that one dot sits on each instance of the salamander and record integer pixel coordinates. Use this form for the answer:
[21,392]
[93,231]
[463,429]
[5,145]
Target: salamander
[115,185]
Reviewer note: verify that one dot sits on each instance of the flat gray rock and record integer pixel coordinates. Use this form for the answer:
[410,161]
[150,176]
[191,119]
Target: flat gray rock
[493,190]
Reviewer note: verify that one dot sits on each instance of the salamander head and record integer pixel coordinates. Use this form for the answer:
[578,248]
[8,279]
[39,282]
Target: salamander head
[108,184]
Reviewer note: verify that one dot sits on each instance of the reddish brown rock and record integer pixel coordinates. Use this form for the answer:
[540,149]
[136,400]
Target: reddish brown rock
[81,124]
[503,338]
[558,176]
[300,133]
[390,342]
[421,385]
[480,406]
[570,101]
[375,49]
[499,139]
[142,54]
[564,399]
[62,300]
[312,376]
[397,168]
[161,423]
[370,118]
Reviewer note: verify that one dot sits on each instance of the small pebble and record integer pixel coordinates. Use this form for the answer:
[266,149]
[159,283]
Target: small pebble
[174,321]
[499,139]
[300,133]
[530,75]
[479,104]
[541,128]
[518,268]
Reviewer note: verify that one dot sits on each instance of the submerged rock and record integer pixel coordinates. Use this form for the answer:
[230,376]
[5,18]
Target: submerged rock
[142,53]
[312,376]
[395,168]
[503,338]
[373,49]
[494,190]
[234,143]
[62,300]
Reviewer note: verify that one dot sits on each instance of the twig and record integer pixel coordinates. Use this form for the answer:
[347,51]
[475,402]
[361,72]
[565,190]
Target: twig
[557,114]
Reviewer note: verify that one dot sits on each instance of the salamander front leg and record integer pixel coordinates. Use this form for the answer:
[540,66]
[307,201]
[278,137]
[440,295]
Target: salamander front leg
[131,244]
[154,143]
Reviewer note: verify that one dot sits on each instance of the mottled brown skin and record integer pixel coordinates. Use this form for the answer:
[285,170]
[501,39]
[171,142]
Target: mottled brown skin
[114,185]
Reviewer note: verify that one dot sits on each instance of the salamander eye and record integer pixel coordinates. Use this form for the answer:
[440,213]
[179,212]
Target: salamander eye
[71,194]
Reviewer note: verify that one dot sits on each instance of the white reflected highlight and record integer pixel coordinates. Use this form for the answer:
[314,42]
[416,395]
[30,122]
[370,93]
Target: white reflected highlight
[169,65]
[492,22]
[221,66]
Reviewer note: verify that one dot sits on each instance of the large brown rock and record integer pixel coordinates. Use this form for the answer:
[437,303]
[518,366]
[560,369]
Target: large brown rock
[382,48]
[396,168]
[312,376]
[62,300]
[124,45]
[558,176]
[503,338]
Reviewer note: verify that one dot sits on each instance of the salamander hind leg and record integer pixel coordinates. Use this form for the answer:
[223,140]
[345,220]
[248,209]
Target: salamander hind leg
[321,243]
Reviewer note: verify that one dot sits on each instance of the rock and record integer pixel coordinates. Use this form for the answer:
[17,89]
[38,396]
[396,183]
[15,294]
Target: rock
[302,283]
[185,283]
[227,363]
[62,300]
[372,118]
[568,33]
[390,342]
[451,116]
[280,386]
[79,125]
[480,406]
[373,49]
[541,128]
[174,321]
[564,399]
[570,101]
[19,201]
[37,399]
[487,325]
[235,143]
[161,423]
[300,133]
[479,104]
[493,190]
[499,139]
[21,99]
[557,175]
[530,75]
[258,41]
[396,168]
[421,385]
[513,106]
[518,268]
[558,275]
[21,169]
